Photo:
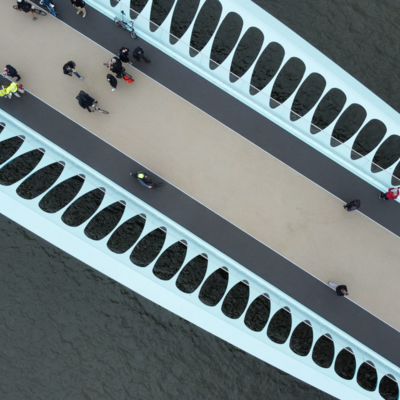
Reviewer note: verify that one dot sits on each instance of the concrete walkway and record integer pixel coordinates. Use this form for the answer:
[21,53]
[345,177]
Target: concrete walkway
[208,161]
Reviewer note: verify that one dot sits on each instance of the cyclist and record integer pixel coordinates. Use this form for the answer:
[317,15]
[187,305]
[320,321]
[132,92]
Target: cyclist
[26,7]
[9,90]
[138,53]
[85,101]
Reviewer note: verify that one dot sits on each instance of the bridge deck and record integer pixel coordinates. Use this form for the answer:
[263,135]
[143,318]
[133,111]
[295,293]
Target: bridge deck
[235,179]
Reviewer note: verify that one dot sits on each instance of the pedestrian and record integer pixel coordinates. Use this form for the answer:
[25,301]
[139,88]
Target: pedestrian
[69,69]
[138,53]
[115,65]
[391,194]
[123,55]
[80,6]
[112,81]
[341,290]
[353,205]
[26,7]
[146,181]
[12,72]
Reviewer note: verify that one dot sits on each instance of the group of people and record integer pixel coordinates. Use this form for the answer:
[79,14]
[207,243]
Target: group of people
[391,194]
[27,7]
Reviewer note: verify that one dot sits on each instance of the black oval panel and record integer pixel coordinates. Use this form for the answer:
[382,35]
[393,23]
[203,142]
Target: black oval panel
[2,126]
[396,176]
[192,274]
[40,181]
[280,326]
[62,194]
[327,110]
[348,124]
[345,364]
[236,300]
[307,96]
[105,221]
[324,351]
[83,208]
[225,39]
[170,261]
[126,235]
[287,81]
[149,247]
[368,138]
[246,53]
[159,12]
[114,3]
[214,287]
[301,339]
[388,388]
[9,147]
[367,377]
[184,13]
[267,66]
[257,314]
[20,167]
[205,25]
[387,154]
[137,7]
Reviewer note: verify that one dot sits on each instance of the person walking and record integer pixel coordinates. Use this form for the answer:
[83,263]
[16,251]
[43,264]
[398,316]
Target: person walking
[146,181]
[112,81]
[353,205]
[391,194]
[12,72]
[26,7]
[69,69]
[123,55]
[138,53]
[80,6]
[341,290]
[115,65]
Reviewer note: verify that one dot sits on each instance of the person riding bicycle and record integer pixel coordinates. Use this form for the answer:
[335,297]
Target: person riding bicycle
[7,91]
[85,101]
[115,65]
[26,7]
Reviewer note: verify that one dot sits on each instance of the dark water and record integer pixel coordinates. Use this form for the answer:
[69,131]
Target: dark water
[68,332]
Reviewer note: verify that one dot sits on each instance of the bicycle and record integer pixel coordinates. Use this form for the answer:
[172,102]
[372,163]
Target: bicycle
[51,10]
[128,25]
[34,10]
[95,108]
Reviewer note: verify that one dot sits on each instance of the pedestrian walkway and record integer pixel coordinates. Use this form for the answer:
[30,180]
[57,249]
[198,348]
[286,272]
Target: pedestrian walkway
[208,161]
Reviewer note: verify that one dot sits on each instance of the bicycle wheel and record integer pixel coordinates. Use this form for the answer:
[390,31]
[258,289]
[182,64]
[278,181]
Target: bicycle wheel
[133,34]
[101,111]
[117,21]
[39,12]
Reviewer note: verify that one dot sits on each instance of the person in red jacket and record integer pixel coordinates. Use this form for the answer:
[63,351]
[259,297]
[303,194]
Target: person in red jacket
[391,194]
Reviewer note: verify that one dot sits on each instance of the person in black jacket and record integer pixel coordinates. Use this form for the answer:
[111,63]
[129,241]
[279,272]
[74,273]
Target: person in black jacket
[341,290]
[138,53]
[80,6]
[123,55]
[112,81]
[85,101]
[115,65]
[69,69]
[26,7]
[352,205]
[12,72]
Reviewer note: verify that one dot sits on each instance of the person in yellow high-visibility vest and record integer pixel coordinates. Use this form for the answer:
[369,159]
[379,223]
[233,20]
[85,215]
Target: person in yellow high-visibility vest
[9,90]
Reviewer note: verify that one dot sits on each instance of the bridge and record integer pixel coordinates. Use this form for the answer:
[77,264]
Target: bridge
[66,177]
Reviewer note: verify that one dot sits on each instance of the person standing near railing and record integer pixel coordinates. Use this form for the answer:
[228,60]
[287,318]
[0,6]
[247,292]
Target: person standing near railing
[80,6]
[391,194]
